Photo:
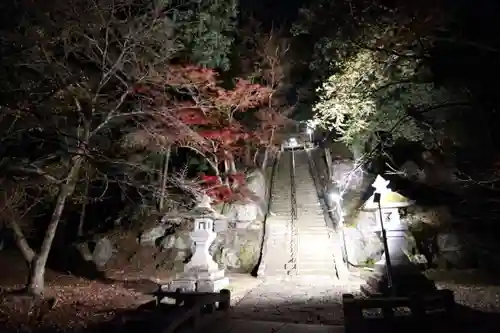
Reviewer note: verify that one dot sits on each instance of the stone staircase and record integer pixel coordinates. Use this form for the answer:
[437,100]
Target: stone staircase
[313,247]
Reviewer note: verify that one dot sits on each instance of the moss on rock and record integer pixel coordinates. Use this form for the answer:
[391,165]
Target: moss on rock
[248,256]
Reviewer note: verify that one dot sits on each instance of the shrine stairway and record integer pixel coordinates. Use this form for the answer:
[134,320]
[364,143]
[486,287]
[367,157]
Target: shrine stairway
[300,243]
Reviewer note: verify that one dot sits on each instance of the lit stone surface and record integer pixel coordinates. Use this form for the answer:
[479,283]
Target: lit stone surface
[310,248]
[406,278]
[303,299]
[202,273]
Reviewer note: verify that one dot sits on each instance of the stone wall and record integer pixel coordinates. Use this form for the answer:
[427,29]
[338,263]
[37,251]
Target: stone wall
[363,246]
[162,249]
[446,241]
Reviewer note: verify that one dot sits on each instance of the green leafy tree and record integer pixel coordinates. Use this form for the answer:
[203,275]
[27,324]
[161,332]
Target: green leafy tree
[206,29]
[377,92]
[373,72]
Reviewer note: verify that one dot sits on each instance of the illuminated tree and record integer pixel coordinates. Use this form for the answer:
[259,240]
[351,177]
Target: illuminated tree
[211,112]
[378,73]
[76,84]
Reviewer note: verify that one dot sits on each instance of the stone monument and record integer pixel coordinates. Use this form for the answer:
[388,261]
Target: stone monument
[405,276]
[202,273]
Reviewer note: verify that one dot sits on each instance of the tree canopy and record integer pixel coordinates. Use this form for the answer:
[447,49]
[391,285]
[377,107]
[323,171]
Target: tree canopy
[98,96]
[153,104]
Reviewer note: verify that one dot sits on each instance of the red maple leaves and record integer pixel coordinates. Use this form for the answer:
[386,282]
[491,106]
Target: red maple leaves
[193,97]
[224,190]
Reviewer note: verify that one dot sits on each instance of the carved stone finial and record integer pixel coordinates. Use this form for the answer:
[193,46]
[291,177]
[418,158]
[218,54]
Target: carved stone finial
[380,184]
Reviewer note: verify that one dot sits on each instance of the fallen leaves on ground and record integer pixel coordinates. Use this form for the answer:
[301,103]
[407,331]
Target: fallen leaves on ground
[66,307]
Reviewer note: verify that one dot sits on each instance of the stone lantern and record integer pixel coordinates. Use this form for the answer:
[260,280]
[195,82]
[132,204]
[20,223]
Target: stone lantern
[202,273]
[400,275]
[390,203]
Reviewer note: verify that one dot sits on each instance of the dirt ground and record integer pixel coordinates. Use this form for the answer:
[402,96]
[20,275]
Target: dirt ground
[71,303]
[74,304]
[77,305]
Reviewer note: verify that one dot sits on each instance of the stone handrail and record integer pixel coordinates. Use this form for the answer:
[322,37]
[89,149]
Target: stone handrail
[199,309]
[270,173]
[342,270]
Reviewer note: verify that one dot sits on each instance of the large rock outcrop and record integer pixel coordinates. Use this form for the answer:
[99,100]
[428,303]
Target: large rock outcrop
[160,248]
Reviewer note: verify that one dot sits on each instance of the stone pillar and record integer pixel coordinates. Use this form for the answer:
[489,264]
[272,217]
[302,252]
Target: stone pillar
[202,273]
[406,276]
[396,239]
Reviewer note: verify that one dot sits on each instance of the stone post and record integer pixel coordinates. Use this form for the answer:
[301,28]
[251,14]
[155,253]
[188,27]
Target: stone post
[202,273]
[406,277]
[396,238]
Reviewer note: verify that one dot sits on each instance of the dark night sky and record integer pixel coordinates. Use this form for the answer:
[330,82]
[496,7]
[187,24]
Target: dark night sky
[269,11]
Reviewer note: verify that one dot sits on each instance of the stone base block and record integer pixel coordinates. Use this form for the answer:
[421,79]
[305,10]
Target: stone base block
[200,281]
[184,283]
[403,284]
[212,286]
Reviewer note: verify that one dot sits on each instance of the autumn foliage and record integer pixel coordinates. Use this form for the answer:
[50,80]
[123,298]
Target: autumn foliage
[193,109]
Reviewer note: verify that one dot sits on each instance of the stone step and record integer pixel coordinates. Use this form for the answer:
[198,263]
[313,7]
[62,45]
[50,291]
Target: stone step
[301,272]
[315,242]
[315,255]
[277,222]
[315,260]
[324,255]
[312,231]
[303,253]
[307,228]
[316,265]
[310,217]
[312,235]
[318,237]
[309,246]
[306,253]
[314,214]
[314,246]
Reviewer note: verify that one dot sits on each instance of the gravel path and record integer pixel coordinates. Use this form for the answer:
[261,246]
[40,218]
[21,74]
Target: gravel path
[304,300]
[480,298]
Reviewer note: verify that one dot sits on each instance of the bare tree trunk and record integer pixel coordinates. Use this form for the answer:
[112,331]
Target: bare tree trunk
[232,166]
[21,241]
[226,172]
[248,155]
[163,184]
[255,156]
[266,153]
[36,279]
[83,212]
[328,158]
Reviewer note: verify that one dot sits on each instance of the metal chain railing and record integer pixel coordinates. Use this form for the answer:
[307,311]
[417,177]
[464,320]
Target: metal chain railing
[292,261]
